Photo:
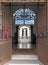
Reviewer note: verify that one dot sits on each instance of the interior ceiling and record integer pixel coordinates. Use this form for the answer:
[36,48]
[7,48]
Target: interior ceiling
[24,3]
[18,5]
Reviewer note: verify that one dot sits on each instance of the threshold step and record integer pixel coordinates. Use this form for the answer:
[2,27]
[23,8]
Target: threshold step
[24,57]
[24,62]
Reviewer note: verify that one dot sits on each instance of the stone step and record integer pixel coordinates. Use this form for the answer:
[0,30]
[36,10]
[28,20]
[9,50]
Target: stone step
[24,62]
[24,57]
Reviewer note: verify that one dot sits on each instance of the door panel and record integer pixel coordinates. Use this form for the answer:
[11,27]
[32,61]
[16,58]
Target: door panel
[6,40]
[42,35]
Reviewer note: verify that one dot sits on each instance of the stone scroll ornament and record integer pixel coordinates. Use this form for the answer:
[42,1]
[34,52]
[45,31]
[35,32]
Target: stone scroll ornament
[5,32]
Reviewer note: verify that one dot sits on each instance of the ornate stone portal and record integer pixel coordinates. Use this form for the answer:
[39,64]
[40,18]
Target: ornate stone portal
[24,37]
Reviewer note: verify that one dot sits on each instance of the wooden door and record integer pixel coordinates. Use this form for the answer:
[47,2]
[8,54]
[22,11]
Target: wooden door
[6,34]
[42,40]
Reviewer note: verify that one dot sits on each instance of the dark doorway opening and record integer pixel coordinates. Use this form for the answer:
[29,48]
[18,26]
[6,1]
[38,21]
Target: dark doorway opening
[24,16]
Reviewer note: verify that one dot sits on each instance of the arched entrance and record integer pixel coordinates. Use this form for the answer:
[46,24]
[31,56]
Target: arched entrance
[24,37]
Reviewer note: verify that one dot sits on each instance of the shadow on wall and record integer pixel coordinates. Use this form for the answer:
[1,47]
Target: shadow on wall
[33,39]
[15,38]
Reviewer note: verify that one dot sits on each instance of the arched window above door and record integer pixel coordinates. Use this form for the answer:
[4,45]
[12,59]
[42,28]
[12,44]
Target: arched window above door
[24,16]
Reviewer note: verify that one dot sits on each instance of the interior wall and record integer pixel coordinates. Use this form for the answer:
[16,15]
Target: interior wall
[5,41]
[42,42]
